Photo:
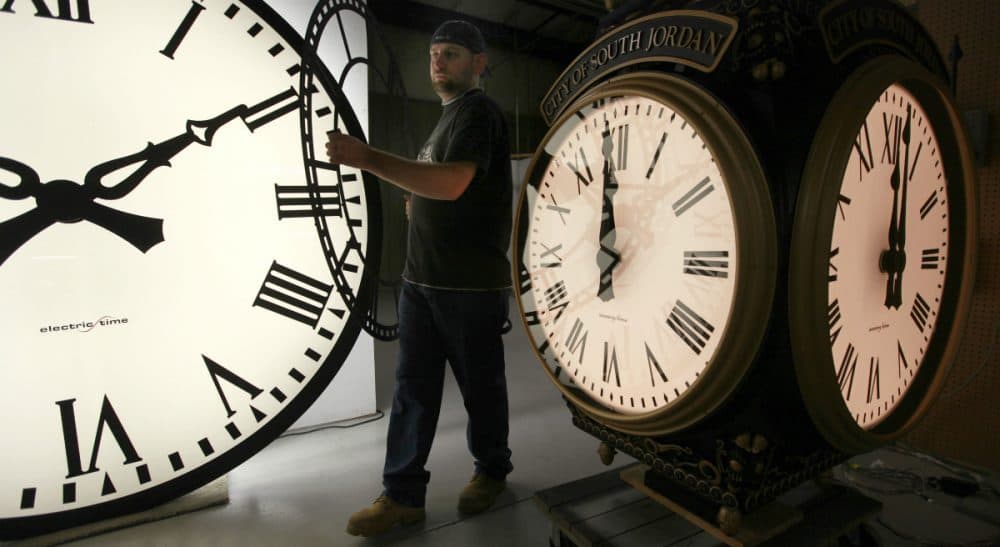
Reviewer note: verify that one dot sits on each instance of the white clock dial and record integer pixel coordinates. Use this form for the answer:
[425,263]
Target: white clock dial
[631,252]
[178,271]
[888,256]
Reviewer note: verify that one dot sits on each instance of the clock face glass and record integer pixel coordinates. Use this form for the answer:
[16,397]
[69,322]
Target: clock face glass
[629,255]
[174,262]
[888,256]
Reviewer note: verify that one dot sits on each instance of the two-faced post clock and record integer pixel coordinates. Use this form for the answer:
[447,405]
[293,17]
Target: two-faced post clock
[745,273]
[181,274]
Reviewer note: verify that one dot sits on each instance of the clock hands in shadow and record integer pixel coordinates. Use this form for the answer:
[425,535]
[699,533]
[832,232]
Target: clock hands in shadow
[68,202]
[893,260]
[608,257]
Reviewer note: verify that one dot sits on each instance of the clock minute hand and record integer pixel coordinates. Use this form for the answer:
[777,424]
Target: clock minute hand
[888,258]
[901,224]
[608,256]
[155,156]
[202,132]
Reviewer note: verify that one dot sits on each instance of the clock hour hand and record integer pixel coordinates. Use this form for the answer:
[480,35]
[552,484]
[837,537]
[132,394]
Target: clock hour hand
[901,223]
[893,260]
[64,201]
[887,261]
[608,256]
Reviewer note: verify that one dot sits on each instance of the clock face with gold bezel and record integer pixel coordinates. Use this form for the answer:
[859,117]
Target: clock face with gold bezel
[181,276]
[882,255]
[635,240]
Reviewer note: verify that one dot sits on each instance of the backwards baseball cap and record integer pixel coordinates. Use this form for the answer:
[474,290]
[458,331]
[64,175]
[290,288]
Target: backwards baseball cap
[462,33]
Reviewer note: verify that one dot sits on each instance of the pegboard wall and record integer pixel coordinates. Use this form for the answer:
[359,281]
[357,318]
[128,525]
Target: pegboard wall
[964,424]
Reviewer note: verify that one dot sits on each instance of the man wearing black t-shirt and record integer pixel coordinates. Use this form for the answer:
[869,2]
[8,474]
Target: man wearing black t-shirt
[455,284]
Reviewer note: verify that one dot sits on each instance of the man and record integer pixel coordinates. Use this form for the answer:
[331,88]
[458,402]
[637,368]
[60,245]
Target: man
[456,280]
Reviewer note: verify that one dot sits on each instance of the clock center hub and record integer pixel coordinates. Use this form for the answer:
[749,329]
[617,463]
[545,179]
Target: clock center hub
[65,200]
[892,261]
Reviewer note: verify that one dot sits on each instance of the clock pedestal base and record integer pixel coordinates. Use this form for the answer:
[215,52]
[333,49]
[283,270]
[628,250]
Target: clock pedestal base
[210,495]
[814,516]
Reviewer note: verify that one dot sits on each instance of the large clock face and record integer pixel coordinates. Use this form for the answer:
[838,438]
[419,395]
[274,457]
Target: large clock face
[630,246]
[888,256]
[178,270]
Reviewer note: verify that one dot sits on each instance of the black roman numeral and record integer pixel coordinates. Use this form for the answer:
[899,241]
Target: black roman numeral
[833,271]
[551,251]
[693,196]
[109,420]
[911,168]
[920,312]
[900,359]
[558,209]
[873,380]
[656,155]
[833,320]
[928,205]
[611,366]
[271,109]
[580,179]
[293,295]
[217,372]
[690,327]
[622,149]
[307,201]
[842,202]
[891,128]
[556,298]
[707,263]
[64,10]
[931,259]
[577,339]
[654,364]
[863,146]
[175,41]
[845,373]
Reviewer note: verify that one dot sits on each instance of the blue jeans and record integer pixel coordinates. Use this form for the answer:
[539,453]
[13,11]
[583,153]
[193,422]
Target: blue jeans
[464,329]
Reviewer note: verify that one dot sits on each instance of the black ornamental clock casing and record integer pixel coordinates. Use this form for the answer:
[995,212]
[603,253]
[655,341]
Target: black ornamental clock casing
[181,274]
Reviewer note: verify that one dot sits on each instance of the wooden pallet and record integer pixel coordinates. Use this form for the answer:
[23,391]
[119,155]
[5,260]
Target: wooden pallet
[617,509]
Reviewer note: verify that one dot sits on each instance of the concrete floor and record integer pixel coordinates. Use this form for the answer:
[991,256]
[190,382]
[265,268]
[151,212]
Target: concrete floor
[300,490]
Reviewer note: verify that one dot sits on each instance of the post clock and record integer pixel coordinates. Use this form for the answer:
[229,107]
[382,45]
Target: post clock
[181,274]
[746,245]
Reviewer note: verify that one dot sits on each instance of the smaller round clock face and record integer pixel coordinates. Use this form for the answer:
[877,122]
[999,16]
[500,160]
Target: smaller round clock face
[888,256]
[630,252]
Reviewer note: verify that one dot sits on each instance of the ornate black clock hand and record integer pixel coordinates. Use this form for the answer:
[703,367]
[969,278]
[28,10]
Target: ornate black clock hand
[887,260]
[16,231]
[901,224]
[68,202]
[608,256]
[155,155]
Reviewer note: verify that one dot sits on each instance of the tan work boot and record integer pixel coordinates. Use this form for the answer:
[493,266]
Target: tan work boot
[382,515]
[479,494]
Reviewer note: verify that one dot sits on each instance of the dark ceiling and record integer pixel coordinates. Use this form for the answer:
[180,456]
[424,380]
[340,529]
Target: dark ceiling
[557,30]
